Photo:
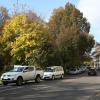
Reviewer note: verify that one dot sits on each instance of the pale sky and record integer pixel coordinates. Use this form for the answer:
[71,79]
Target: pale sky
[44,8]
[91,10]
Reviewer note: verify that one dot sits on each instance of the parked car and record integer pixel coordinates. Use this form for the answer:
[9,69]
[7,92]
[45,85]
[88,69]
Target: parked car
[88,68]
[53,72]
[20,74]
[82,69]
[92,71]
[74,71]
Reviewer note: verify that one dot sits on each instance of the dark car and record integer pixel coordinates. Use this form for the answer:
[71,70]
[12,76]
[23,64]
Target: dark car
[92,71]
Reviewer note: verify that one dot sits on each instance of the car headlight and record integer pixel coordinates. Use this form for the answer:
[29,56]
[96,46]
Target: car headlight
[3,75]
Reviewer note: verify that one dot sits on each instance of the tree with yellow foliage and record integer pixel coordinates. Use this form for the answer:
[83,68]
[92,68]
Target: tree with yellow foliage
[22,39]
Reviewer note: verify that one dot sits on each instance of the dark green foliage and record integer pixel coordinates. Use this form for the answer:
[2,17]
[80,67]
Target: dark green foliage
[64,41]
[72,38]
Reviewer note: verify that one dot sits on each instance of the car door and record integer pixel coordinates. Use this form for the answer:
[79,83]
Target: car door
[56,72]
[59,72]
[31,73]
[25,73]
[28,73]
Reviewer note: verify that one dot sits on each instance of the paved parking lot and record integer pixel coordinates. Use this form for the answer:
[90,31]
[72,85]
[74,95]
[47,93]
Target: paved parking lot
[75,87]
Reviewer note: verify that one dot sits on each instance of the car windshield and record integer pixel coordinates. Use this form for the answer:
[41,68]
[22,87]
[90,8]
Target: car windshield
[91,69]
[49,70]
[17,69]
[73,69]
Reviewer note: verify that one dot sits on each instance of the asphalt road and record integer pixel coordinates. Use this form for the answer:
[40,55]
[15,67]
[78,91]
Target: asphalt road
[78,87]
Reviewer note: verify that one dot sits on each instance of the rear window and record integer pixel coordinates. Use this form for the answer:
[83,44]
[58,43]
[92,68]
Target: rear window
[29,68]
[92,69]
[38,68]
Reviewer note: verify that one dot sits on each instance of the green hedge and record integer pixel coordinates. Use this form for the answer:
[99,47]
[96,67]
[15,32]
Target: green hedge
[0,82]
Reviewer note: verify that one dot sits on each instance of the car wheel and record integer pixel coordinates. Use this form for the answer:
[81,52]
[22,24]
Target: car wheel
[5,83]
[37,80]
[53,77]
[25,82]
[19,81]
[95,74]
[88,74]
[62,76]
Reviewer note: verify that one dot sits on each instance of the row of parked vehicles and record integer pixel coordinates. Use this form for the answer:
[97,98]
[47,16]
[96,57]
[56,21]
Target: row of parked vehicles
[77,70]
[91,71]
[20,74]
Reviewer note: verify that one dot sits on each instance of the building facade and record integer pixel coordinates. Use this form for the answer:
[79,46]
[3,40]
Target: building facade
[96,56]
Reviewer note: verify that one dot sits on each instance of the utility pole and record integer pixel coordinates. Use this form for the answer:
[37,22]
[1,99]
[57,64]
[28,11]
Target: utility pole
[17,5]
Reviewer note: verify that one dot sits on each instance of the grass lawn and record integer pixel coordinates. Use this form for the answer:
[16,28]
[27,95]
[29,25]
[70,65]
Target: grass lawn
[0,82]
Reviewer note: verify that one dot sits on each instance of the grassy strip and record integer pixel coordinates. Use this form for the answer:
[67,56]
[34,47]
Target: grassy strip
[0,82]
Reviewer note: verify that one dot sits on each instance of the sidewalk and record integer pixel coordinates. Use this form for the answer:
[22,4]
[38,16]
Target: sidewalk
[95,97]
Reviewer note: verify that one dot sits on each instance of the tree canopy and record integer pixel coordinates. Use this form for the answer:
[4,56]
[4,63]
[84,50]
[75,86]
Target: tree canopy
[27,39]
[71,32]
[22,37]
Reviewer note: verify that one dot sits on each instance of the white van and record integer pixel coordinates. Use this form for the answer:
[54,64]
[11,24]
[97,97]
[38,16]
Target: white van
[53,72]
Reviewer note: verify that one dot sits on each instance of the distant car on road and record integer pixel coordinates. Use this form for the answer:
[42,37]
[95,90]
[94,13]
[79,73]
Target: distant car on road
[53,72]
[92,71]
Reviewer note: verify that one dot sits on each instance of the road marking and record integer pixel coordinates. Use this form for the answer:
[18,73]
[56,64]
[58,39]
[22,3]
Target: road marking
[3,87]
[41,87]
[1,98]
[9,89]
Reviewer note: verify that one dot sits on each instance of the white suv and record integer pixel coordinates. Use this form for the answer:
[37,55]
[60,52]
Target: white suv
[21,74]
[53,72]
